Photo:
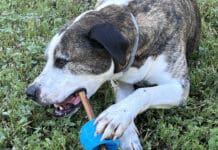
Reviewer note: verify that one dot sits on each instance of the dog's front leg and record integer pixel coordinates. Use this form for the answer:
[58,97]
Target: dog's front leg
[129,140]
[116,119]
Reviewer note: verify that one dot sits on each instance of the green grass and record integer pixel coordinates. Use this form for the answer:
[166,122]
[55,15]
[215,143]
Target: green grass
[25,28]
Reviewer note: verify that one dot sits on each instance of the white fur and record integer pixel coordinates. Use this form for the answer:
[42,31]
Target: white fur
[121,90]
[123,113]
[129,139]
[105,3]
[167,94]
[154,70]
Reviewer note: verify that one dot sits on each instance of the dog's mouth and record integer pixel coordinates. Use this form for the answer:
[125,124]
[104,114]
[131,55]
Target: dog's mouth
[69,106]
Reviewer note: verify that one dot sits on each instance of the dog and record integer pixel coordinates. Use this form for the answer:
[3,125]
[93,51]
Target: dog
[141,46]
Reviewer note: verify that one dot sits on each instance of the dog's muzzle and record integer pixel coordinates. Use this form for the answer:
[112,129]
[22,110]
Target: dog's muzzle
[67,107]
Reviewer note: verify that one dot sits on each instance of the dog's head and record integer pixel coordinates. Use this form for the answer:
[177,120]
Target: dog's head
[82,56]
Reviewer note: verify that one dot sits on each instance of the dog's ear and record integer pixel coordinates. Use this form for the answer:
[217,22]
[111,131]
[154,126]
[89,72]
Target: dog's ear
[112,40]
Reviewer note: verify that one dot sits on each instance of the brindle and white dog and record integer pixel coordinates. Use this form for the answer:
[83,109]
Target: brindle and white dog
[132,43]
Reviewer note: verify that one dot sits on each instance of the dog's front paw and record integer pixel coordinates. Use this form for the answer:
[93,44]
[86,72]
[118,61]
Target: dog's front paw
[113,121]
[130,140]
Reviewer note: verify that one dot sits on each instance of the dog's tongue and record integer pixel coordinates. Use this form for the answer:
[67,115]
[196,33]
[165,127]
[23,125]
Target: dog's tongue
[68,103]
[68,106]
[71,100]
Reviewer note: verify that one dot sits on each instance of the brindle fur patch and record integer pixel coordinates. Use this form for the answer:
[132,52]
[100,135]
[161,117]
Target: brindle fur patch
[163,23]
[86,55]
[170,26]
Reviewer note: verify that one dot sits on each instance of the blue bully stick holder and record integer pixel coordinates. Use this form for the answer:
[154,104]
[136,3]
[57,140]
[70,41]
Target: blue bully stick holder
[87,132]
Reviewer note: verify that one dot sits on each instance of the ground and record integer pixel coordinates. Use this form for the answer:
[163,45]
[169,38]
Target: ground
[26,26]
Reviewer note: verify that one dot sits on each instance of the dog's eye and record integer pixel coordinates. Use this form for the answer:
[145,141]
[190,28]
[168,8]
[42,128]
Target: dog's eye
[60,63]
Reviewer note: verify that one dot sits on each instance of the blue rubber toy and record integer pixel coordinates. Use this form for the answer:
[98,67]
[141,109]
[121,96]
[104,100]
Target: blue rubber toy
[91,142]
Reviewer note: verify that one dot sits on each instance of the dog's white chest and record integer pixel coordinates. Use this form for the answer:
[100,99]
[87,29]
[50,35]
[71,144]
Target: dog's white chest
[154,70]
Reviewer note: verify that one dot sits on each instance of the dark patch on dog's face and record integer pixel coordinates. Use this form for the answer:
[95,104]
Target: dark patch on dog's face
[79,54]
[91,55]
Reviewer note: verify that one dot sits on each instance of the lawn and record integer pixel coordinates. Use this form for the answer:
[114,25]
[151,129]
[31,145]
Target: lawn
[26,26]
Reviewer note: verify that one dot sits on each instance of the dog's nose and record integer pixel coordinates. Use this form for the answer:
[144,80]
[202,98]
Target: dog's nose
[33,92]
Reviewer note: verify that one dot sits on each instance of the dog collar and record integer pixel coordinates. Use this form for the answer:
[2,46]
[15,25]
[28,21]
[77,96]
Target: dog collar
[136,43]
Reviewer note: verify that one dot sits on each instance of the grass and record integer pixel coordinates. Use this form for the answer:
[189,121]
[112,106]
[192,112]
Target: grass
[27,26]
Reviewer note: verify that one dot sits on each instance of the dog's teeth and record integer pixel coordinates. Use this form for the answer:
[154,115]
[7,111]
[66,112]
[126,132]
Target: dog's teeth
[60,108]
[56,105]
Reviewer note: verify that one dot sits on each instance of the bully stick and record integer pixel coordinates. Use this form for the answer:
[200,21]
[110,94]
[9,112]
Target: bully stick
[89,111]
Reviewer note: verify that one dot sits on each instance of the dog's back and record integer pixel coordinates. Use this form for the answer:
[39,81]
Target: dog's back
[169,17]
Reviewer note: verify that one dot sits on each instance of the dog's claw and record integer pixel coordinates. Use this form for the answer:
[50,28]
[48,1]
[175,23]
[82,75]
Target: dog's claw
[119,132]
[101,126]
[100,117]
[115,137]
[113,122]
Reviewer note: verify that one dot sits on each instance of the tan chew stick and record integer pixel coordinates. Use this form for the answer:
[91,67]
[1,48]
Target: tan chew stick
[86,105]
[89,111]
